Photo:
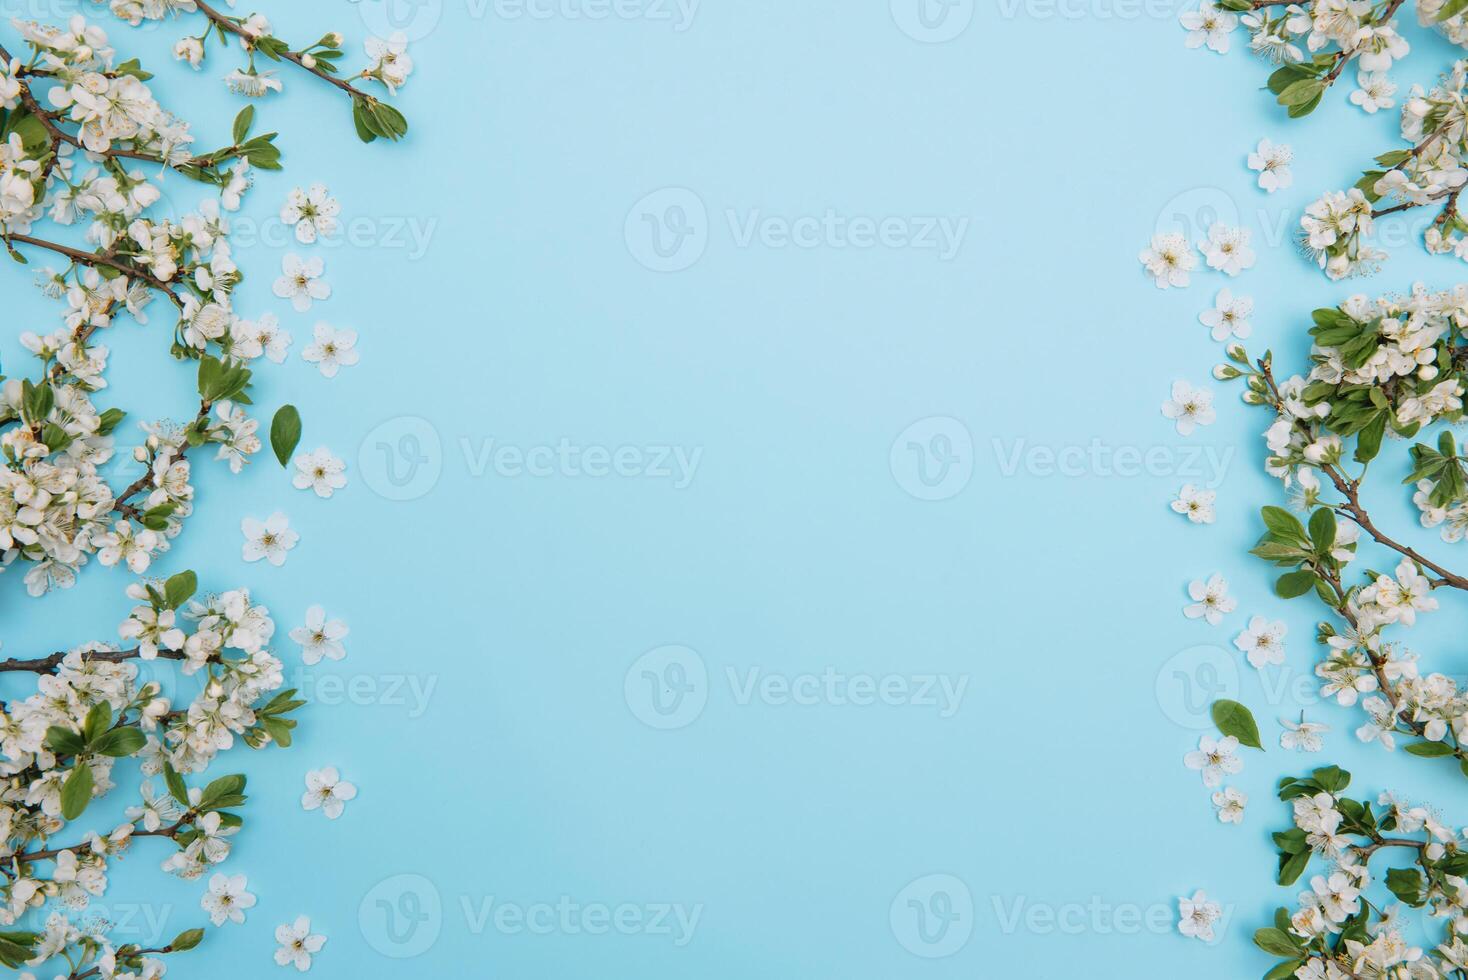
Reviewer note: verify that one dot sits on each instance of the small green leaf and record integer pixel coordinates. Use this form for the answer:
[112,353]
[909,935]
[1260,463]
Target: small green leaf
[99,719]
[120,742]
[1368,442]
[1322,529]
[186,940]
[1285,526]
[76,792]
[64,741]
[1291,867]
[180,588]
[1295,584]
[176,787]
[1406,884]
[242,124]
[1277,942]
[285,433]
[1430,750]
[1234,719]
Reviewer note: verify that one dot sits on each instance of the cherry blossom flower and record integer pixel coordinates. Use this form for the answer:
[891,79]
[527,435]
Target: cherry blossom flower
[320,637]
[1215,758]
[1230,803]
[332,349]
[1263,641]
[270,539]
[1272,160]
[1211,600]
[1209,25]
[1227,249]
[301,282]
[1229,317]
[1198,916]
[1168,260]
[1189,407]
[297,944]
[1302,736]
[312,213]
[327,791]
[1196,504]
[226,900]
[319,471]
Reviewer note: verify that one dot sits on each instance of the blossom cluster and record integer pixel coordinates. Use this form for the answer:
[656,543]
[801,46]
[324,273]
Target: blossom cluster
[90,711]
[1313,43]
[56,508]
[85,149]
[1335,931]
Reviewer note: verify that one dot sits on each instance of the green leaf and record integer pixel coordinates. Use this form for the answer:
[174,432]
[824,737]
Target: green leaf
[176,787]
[1322,529]
[1406,884]
[1283,525]
[285,433]
[120,742]
[76,792]
[1430,750]
[1368,443]
[222,792]
[1283,971]
[1277,942]
[1300,92]
[99,719]
[180,588]
[1234,719]
[186,940]
[1295,584]
[1284,77]
[1332,779]
[359,120]
[17,947]
[1291,867]
[1291,841]
[108,421]
[242,124]
[64,741]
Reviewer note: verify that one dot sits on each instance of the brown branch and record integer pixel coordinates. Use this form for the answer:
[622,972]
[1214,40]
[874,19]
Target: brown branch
[46,665]
[232,26]
[1352,507]
[121,505]
[94,259]
[52,853]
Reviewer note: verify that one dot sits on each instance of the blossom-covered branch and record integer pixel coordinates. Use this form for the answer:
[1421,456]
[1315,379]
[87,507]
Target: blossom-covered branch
[60,745]
[84,147]
[1313,43]
[1337,932]
[1429,173]
[389,63]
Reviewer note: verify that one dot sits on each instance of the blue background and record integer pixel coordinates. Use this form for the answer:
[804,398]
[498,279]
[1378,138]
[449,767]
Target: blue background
[1065,140]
